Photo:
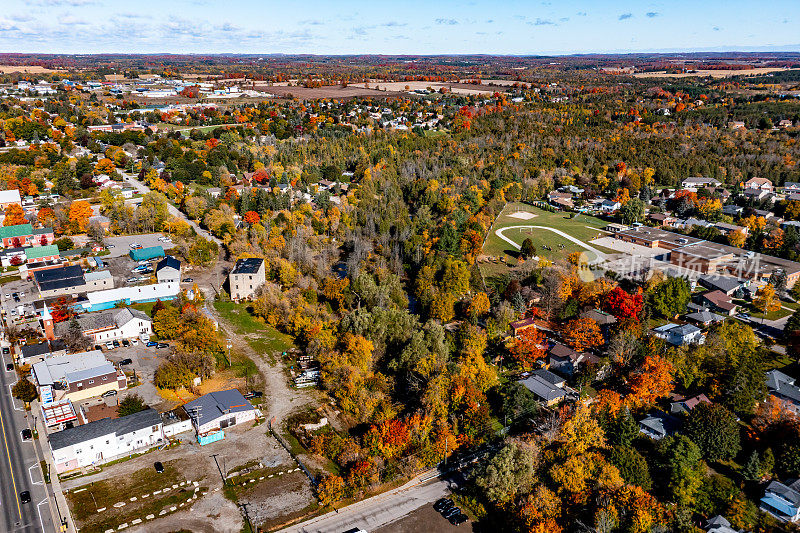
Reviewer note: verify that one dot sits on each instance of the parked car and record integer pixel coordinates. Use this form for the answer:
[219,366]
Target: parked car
[22,294]
[110,345]
[109,246]
[26,434]
[16,298]
[6,350]
[125,362]
[25,496]
[9,367]
[254,394]
[162,345]
[8,296]
[458,519]
[159,467]
[109,393]
[135,342]
[134,246]
[150,344]
[188,280]
[132,280]
[443,504]
[453,511]
[125,343]
[116,344]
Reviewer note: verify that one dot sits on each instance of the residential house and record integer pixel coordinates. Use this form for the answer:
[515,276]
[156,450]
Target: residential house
[725,284]
[727,229]
[680,335]
[719,302]
[684,405]
[9,197]
[705,318]
[219,410]
[697,182]
[782,501]
[719,524]
[25,235]
[105,440]
[762,184]
[609,206]
[785,123]
[783,387]
[78,376]
[562,200]
[732,210]
[791,187]
[658,425]
[564,359]
[518,326]
[168,270]
[246,277]
[757,194]
[42,253]
[547,387]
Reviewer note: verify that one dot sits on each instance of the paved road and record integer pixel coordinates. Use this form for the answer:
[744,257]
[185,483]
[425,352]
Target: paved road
[19,469]
[174,211]
[599,256]
[379,510]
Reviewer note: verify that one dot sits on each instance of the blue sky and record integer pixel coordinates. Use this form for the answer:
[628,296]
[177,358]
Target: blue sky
[399,27]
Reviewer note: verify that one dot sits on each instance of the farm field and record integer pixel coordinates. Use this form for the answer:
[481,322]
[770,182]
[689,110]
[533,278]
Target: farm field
[712,73]
[583,228]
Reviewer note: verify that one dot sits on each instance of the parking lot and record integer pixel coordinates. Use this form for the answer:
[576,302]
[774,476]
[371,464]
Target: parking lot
[119,246]
[144,362]
[26,292]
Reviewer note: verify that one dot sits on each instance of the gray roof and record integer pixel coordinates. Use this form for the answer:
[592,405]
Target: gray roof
[126,315]
[89,322]
[247,266]
[549,377]
[725,284]
[106,426]
[704,317]
[783,385]
[787,493]
[543,389]
[213,405]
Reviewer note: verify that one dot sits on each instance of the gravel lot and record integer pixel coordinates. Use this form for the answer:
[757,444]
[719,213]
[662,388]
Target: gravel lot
[122,244]
[425,519]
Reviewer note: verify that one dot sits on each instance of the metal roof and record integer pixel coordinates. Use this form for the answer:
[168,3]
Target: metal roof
[214,405]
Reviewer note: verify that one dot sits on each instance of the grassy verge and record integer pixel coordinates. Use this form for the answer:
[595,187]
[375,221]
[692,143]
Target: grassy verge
[260,336]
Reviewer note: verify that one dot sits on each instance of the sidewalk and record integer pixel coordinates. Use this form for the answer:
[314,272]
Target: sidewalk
[54,493]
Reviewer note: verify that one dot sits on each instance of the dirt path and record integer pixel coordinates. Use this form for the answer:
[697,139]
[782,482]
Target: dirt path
[280,399]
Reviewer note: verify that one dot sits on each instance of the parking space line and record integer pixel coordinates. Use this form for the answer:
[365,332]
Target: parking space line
[39,511]
[30,474]
[11,393]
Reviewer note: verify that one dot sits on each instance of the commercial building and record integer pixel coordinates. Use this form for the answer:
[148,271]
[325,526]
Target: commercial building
[105,440]
[246,278]
[102,300]
[111,325]
[78,376]
[219,410]
[59,281]
[145,254]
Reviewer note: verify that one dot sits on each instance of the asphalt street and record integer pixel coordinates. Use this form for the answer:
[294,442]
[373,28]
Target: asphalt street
[19,468]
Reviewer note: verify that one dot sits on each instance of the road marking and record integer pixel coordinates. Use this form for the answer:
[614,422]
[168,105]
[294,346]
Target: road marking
[11,394]
[31,475]
[39,511]
[10,467]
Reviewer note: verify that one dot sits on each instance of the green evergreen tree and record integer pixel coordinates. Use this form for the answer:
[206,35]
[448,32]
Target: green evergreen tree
[752,468]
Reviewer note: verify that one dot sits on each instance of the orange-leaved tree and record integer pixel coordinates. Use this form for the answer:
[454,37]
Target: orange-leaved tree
[79,213]
[251,217]
[105,166]
[528,346]
[653,380]
[14,215]
[582,334]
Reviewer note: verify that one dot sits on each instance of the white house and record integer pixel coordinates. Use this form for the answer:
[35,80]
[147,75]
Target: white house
[696,182]
[111,325]
[219,410]
[105,440]
[9,197]
[168,270]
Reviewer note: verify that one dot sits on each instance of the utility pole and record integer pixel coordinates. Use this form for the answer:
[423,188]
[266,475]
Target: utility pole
[246,516]
[214,455]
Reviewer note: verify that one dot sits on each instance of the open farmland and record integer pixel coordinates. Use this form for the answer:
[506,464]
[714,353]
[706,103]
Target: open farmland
[711,73]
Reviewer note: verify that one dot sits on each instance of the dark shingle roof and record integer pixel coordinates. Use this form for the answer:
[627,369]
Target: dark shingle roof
[106,426]
[247,266]
[54,274]
[169,261]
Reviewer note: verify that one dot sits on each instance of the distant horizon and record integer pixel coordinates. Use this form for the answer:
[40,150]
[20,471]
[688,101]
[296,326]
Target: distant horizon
[351,27]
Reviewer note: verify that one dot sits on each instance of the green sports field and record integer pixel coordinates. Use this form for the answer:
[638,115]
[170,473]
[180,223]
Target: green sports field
[583,227]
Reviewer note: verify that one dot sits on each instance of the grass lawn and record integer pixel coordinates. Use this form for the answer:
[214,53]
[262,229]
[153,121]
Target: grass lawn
[85,500]
[145,308]
[261,337]
[9,278]
[583,227]
[774,315]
